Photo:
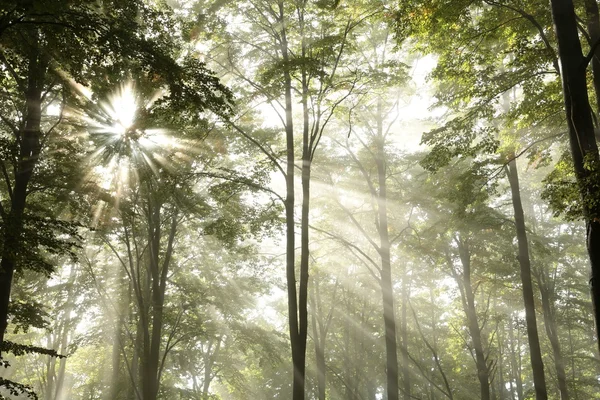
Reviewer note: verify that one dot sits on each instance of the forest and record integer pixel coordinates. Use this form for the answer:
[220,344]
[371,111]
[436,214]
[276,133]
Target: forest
[299,199]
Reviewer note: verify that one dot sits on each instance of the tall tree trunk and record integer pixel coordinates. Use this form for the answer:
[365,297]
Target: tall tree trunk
[320,327]
[158,271]
[304,219]
[483,373]
[297,341]
[500,363]
[574,372]
[209,361]
[387,292]
[51,365]
[404,334]
[584,148]
[28,157]
[515,366]
[535,353]
[552,332]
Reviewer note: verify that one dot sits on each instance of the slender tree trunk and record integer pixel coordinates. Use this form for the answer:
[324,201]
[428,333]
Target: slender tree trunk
[158,272]
[209,361]
[516,370]
[304,219]
[297,342]
[535,353]
[51,365]
[584,148]
[574,372]
[133,392]
[320,326]
[404,334]
[500,363]
[552,332]
[389,319]
[473,325]
[29,152]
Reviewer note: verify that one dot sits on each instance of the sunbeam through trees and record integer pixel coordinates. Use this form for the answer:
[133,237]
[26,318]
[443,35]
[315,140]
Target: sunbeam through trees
[299,200]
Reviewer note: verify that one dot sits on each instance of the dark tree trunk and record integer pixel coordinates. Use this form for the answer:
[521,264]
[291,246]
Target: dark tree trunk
[158,271]
[297,339]
[584,149]
[535,353]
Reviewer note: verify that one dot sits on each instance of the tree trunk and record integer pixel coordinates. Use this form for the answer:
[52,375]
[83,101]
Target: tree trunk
[501,387]
[584,149]
[29,152]
[389,319]
[404,334]
[298,344]
[535,353]
[320,328]
[209,361]
[551,331]
[158,272]
[515,367]
[473,325]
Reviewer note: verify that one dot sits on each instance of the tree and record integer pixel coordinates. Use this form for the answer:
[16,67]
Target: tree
[88,38]
[584,149]
[306,48]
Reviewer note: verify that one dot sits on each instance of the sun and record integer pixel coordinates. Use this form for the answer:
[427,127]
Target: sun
[124,145]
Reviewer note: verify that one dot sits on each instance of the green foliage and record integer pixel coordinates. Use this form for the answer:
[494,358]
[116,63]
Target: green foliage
[26,315]
[16,389]
[561,190]
[22,349]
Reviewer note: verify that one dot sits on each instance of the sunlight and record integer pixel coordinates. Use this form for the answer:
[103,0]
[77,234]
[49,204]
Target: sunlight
[117,114]
[116,126]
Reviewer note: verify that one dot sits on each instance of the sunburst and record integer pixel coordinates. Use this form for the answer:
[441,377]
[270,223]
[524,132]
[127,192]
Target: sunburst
[123,143]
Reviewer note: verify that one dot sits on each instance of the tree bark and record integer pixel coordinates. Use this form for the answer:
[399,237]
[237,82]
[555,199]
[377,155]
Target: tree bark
[387,293]
[473,325]
[535,353]
[552,332]
[404,334]
[297,343]
[158,271]
[584,148]
[515,366]
[30,147]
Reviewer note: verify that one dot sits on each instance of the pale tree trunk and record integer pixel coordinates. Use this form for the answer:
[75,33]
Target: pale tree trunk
[535,353]
[552,332]
[210,356]
[320,327]
[389,319]
[404,334]
[514,364]
[468,300]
